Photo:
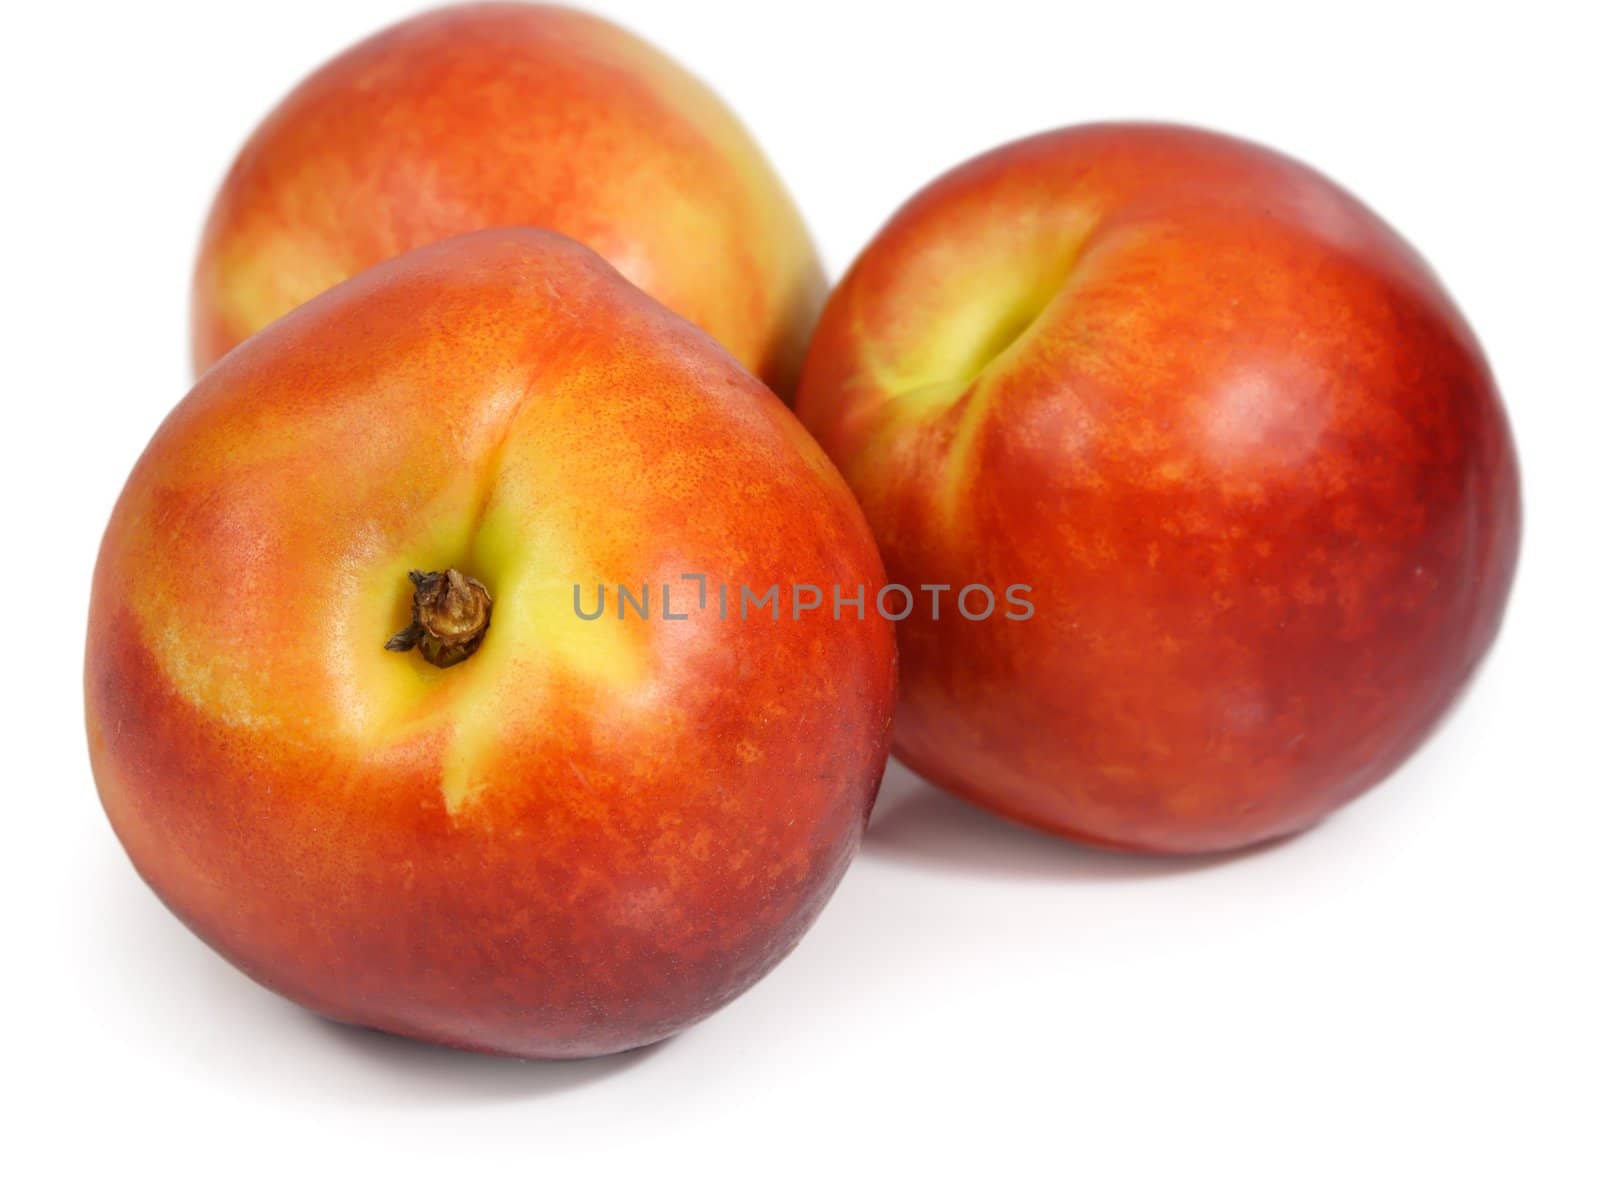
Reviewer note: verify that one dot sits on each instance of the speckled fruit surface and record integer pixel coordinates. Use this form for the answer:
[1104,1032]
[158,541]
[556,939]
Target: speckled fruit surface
[490,115]
[1234,434]
[587,834]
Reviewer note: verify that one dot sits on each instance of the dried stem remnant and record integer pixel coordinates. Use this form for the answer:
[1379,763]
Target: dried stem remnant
[449,617]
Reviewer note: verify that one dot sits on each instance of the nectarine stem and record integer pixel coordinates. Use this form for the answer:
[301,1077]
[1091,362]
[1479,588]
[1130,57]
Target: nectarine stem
[449,617]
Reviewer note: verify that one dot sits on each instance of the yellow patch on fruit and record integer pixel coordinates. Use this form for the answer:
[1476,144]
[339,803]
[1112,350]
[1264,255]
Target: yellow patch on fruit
[535,639]
[965,303]
[267,275]
[956,318]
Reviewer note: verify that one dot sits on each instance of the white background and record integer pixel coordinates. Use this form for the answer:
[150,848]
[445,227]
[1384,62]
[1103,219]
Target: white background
[1402,999]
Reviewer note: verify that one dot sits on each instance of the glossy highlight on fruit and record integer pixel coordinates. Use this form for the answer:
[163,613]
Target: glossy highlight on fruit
[489,115]
[1235,435]
[549,836]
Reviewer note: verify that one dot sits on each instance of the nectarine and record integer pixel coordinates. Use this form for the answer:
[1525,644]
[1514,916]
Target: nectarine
[511,114]
[539,832]
[1230,429]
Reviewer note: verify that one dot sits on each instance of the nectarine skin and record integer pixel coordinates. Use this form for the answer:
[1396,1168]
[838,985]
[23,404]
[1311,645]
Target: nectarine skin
[1233,432]
[487,115]
[588,834]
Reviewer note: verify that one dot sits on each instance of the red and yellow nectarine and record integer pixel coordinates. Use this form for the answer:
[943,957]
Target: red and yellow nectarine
[1230,429]
[511,114]
[542,834]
